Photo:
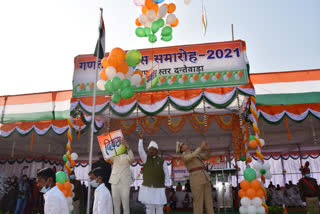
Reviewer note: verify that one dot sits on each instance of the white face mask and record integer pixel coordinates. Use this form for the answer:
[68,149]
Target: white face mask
[94,183]
[44,189]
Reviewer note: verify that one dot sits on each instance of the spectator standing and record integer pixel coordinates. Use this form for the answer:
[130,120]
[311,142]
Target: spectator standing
[24,192]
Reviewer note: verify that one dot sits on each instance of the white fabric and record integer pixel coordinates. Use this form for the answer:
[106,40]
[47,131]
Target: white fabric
[102,200]
[150,195]
[55,202]
[121,195]
[153,144]
[154,209]
[121,169]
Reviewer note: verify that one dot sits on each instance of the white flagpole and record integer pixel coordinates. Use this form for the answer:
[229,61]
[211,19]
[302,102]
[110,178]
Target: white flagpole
[93,115]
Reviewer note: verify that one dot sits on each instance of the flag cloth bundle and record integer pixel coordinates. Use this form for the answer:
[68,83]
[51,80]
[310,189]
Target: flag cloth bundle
[101,40]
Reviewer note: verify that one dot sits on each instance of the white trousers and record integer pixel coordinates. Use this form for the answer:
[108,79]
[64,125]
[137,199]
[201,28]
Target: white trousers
[121,195]
[154,209]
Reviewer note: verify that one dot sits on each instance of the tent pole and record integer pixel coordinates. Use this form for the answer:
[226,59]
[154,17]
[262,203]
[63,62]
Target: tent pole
[92,118]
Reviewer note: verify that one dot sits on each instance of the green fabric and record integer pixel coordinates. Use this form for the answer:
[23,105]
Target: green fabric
[288,99]
[153,175]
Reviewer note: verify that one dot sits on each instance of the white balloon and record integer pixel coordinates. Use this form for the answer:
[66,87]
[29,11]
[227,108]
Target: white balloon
[135,79]
[258,174]
[245,201]
[261,210]
[225,78]
[148,23]
[252,210]
[73,195]
[256,201]
[236,77]
[203,79]
[152,15]
[120,75]
[268,175]
[143,19]
[70,207]
[266,166]
[129,73]
[262,142]
[163,10]
[100,85]
[214,78]
[257,166]
[186,2]
[111,72]
[243,210]
[74,156]
[171,18]
[180,81]
[170,82]
[72,187]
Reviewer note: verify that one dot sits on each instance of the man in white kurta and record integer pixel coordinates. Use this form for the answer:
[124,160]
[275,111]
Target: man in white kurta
[102,198]
[55,201]
[121,180]
[155,178]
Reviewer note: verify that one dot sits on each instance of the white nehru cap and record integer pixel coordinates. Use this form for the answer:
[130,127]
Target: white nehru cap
[153,144]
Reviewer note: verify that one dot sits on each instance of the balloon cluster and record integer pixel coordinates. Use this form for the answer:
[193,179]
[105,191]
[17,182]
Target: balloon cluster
[154,18]
[253,142]
[251,194]
[65,187]
[119,74]
[74,157]
[262,170]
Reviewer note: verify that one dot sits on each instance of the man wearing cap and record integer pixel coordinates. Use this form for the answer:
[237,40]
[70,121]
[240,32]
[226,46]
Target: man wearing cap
[309,190]
[155,178]
[199,178]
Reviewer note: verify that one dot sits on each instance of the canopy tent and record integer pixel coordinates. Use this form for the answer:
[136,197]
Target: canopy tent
[37,122]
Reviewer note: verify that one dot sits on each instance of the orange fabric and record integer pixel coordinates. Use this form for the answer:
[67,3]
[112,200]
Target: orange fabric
[290,76]
[36,98]
[294,109]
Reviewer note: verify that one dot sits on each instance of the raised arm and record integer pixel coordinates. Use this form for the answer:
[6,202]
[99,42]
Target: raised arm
[207,154]
[166,174]
[142,153]
[188,157]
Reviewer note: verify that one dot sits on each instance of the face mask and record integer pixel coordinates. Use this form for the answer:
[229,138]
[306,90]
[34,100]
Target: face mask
[72,177]
[44,189]
[308,175]
[94,184]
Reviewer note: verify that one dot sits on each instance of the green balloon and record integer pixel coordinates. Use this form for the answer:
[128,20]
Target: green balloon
[133,58]
[130,93]
[155,27]
[124,93]
[160,22]
[243,158]
[262,171]
[147,31]
[166,31]
[116,98]
[251,137]
[125,84]
[166,38]
[108,86]
[116,83]
[65,159]
[249,174]
[140,32]
[152,38]
[61,177]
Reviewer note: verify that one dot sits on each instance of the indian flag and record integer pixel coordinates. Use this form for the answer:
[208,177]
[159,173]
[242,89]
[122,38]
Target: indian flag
[101,40]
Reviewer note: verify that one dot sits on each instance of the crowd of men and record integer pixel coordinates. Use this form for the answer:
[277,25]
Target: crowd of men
[113,192]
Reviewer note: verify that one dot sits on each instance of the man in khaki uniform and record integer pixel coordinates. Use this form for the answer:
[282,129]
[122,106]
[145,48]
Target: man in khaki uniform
[199,178]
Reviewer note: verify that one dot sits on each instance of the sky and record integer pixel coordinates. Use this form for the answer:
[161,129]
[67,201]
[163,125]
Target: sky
[40,38]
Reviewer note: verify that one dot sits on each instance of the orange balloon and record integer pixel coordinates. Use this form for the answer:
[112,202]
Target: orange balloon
[65,192]
[138,72]
[149,4]
[123,68]
[103,75]
[171,8]
[114,61]
[138,23]
[175,23]
[255,184]
[67,185]
[260,193]
[119,53]
[144,10]
[155,7]
[104,62]
[245,184]
[241,193]
[253,144]
[249,160]
[72,163]
[251,193]
[60,186]
[69,193]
